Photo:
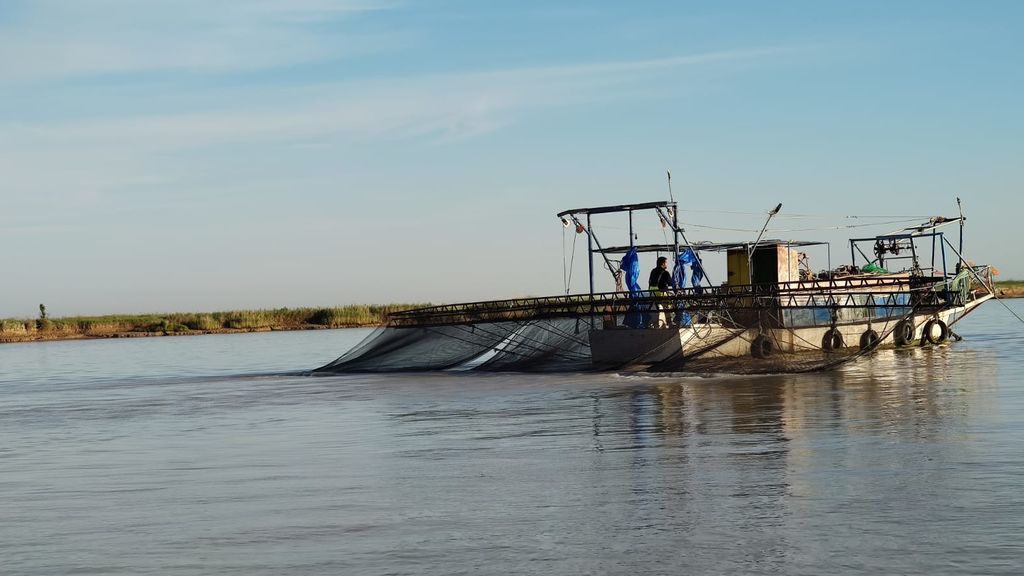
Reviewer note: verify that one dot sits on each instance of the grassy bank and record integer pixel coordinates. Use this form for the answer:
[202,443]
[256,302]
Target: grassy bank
[18,330]
[1010,288]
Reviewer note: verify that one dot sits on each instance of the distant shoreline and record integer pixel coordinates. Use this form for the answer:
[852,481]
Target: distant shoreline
[194,324]
[37,336]
[1010,289]
[235,322]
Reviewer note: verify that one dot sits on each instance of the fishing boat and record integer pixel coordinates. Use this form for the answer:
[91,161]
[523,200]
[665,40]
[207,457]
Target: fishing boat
[770,314]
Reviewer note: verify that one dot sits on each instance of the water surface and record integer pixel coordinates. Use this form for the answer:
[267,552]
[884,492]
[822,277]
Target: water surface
[212,455]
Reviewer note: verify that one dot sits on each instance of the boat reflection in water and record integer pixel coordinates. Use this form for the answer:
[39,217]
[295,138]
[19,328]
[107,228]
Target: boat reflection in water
[898,391]
[800,467]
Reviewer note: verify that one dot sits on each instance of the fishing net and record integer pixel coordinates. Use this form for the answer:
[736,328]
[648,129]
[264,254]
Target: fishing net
[555,345]
[549,345]
[802,329]
[413,349]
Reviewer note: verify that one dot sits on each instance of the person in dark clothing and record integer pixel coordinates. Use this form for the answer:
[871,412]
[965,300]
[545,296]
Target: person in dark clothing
[660,279]
[659,282]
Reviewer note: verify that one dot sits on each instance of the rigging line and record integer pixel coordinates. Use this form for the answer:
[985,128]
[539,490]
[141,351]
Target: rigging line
[1010,310]
[706,227]
[791,215]
[848,226]
[853,216]
[991,289]
[572,262]
[841,227]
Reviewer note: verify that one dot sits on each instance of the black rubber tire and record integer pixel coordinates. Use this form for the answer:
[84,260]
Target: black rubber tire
[761,347]
[932,338]
[832,340]
[869,339]
[903,334]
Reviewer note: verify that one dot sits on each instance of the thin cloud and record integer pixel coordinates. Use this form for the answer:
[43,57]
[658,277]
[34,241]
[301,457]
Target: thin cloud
[445,105]
[52,40]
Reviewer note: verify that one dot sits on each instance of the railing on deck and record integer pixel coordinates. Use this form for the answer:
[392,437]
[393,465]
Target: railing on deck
[840,296]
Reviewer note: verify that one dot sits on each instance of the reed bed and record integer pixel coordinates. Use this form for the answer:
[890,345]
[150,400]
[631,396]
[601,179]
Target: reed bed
[185,322]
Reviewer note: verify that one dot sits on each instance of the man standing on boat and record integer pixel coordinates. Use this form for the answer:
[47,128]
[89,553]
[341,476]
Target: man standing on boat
[658,283]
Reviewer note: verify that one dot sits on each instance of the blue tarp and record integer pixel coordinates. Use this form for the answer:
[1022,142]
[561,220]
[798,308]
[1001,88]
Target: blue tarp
[630,266]
[687,273]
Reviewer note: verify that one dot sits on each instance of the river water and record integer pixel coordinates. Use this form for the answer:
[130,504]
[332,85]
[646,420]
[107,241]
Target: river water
[213,455]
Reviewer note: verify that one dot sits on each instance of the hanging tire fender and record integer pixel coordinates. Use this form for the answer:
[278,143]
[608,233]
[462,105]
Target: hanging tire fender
[832,340]
[761,347]
[903,333]
[930,329]
[869,339]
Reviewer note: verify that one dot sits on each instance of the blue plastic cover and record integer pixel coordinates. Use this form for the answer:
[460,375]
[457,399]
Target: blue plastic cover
[631,268]
[688,271]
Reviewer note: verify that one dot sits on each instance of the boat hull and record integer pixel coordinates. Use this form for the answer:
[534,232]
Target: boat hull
[655,345]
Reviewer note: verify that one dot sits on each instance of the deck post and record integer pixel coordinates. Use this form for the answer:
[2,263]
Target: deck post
[590,254]
[675,236]
[943,245]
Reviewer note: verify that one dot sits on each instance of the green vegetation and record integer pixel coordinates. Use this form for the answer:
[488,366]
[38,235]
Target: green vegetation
[1010,288]
[184,323]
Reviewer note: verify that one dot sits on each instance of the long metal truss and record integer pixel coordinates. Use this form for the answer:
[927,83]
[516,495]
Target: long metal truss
[923,293]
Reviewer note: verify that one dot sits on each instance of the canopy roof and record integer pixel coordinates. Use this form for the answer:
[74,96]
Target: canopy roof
[709,246]
[618,208]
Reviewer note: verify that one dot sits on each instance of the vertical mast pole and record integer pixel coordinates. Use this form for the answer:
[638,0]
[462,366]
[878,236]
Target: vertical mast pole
[961,250]
[590,254]
[675,223]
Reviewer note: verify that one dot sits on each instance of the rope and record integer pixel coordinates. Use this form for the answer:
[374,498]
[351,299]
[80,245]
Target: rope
[981,281]
[842,227]
[1008,309]
[796,216]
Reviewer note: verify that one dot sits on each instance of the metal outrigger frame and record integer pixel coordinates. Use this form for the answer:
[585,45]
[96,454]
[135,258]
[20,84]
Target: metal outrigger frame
[905,242]
[667,211]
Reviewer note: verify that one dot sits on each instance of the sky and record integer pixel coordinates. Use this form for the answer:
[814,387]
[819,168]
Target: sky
[186,155]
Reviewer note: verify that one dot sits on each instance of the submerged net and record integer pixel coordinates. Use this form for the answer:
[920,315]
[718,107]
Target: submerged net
[392,349]
[555,345]
[514,346]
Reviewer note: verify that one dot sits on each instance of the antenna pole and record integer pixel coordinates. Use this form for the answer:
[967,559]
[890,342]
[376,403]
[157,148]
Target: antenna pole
[675,225]
[961,251]
[750,253]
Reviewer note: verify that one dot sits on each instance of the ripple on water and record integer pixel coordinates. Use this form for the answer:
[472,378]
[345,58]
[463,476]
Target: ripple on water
[210,456]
